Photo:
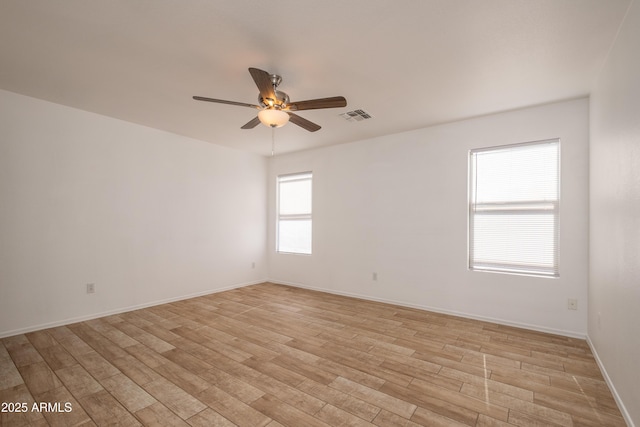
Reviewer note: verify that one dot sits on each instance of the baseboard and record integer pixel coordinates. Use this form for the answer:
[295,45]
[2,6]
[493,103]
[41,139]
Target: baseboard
[614,392]
[536,328]
[68,321]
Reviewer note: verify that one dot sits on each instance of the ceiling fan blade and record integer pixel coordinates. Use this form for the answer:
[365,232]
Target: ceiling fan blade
[264,83]
[222,101]
[315,104]
[252,123]
[303,123]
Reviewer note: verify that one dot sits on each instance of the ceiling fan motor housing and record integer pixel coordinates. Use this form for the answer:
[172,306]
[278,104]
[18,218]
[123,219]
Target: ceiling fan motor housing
[281,101]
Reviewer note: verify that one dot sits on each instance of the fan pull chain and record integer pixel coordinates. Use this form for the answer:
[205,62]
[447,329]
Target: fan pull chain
[273,141]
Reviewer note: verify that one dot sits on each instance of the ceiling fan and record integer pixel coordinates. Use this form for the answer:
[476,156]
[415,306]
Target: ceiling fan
[274,107]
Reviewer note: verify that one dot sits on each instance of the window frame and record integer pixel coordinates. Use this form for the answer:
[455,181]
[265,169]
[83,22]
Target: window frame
[291,177]
[514,207]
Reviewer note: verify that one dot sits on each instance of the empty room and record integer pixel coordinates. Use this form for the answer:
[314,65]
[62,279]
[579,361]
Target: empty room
[332,213]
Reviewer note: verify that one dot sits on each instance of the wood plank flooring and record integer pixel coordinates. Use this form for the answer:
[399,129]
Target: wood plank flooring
[272,355]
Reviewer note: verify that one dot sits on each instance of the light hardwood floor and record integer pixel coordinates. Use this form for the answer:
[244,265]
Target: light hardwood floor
[272,355]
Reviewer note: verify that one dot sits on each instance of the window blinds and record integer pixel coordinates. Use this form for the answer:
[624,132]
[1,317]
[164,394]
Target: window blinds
[294,213]
[514,208]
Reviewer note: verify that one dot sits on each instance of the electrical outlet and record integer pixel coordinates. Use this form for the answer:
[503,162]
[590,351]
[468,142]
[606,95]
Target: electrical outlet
[91,288]
[374,276]
[253,265]
[572,304]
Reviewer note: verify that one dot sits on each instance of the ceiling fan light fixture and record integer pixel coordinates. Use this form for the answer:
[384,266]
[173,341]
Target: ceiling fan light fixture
[274,107]
[273,117]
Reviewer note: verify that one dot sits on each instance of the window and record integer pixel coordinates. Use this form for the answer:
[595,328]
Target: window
[514,208]
[294,213]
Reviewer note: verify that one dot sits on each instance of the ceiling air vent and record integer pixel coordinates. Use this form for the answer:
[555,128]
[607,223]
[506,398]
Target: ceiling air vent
[356,116]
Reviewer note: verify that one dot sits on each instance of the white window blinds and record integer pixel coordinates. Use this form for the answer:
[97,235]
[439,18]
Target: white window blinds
[294,213]
[514,208]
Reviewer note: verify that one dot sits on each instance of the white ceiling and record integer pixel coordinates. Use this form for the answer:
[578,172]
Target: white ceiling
[410,63]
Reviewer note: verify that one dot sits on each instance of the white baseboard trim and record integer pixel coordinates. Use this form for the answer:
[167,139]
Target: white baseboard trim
[537,328]
[614,392]
[68,321]
[71,320]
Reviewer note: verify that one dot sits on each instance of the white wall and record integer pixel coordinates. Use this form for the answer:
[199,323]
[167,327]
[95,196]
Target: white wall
[146,215]
[397,205]
[614,287]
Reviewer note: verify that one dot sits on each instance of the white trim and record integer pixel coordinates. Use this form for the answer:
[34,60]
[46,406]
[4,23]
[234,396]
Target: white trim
[521,209]
[614,392]
[515,145]
[306,216]
[33,328]
[607,379]
[571,334]
[537,328]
